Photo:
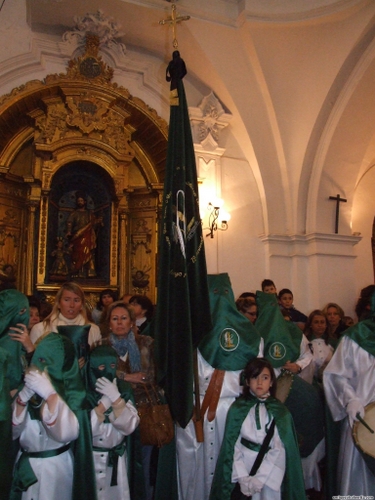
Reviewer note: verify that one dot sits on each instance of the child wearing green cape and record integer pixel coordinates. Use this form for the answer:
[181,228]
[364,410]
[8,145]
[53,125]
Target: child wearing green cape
[254,417]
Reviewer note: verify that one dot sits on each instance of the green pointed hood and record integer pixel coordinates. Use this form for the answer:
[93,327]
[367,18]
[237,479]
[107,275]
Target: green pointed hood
[234,340]
[14,308]
[363,332]
[282,339]
[79,335]
[55,353]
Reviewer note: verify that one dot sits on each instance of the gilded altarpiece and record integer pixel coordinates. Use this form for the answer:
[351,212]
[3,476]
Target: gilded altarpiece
[86,135]
[12,236]
[142,208]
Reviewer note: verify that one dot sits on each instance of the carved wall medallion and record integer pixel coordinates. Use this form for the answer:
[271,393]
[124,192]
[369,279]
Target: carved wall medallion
[90,67]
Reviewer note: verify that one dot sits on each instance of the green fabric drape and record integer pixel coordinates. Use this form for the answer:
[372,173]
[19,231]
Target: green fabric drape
[6,464]
[307,409]
[14,308]
[234,340]
[182,316]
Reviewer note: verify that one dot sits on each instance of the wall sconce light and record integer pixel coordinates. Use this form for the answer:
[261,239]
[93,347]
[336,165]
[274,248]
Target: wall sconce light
[218,218]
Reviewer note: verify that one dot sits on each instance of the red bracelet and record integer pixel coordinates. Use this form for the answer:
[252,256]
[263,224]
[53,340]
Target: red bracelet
[20,402]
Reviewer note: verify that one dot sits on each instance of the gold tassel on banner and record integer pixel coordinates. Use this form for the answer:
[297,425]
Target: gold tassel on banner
[173,98]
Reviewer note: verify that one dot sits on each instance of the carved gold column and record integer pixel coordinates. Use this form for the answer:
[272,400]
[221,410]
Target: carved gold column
[30,254]
[42,257]
[115,242]
[122,253]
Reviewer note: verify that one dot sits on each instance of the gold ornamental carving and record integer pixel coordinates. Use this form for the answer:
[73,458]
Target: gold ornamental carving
[83,116]
[87,113]
[8,234]
[90,66]
[141,236]
[11,218]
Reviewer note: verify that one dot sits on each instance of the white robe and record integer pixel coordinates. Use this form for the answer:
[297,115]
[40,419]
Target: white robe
[39,329]
[350,374]
[272,469]
[197,461]
[304,361]
[109,435]
[55,474]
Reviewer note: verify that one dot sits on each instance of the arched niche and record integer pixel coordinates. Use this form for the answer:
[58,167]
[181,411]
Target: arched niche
[98,190]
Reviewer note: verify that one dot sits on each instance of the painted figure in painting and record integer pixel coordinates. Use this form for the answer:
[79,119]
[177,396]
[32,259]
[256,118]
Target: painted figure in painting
[81,227]
[59,266]
[7,277]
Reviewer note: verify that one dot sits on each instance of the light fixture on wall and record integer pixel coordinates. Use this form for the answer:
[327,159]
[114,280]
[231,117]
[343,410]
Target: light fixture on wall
[218,218]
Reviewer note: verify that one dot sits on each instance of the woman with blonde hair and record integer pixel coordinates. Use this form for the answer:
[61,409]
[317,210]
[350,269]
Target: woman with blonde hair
[335,322]
[69,309]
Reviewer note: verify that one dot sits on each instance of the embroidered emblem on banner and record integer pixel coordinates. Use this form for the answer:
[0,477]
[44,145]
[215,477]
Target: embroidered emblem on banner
[277,351]
[229,339]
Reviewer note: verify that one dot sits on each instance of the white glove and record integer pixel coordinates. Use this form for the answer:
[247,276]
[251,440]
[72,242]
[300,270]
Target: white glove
[352,408]
[250,485]
[25,394]
[40,383]
[107,388]
[106,402]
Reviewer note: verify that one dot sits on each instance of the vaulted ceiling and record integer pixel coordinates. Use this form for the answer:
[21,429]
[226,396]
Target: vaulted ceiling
[296,76]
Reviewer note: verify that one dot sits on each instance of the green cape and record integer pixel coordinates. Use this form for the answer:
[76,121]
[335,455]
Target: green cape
[234,340]
[14,308]
[293,487]
[363,334]
[6,464]
[282,339]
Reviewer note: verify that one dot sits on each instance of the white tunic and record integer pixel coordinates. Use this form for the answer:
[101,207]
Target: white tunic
[197,461]
[304,361]
[272,469]
[109,435]
[39,329]
[350,374]
[322,354]
[55,474]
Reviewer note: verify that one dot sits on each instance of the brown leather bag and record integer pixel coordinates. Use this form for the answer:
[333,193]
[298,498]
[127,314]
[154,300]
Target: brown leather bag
[156,425]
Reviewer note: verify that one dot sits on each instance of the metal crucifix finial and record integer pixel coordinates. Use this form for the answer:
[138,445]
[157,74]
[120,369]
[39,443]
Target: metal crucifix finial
[173,20]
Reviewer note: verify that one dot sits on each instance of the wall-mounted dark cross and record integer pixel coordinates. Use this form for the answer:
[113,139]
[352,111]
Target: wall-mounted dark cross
[338,199]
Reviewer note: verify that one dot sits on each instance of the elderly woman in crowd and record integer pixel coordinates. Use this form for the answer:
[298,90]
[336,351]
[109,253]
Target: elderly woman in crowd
[135,363]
